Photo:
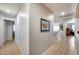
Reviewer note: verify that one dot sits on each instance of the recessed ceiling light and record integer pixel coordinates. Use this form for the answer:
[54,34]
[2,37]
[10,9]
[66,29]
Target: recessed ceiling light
[7,10]
[62,13]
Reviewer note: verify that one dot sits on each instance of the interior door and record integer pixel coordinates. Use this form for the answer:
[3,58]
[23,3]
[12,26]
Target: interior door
[8,30]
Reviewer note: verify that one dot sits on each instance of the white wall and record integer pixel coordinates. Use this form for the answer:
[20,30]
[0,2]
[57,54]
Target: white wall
[39,41]
[77,35]
[22,29]
[1,32]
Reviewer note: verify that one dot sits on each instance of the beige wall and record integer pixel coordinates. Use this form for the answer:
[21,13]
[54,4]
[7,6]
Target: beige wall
[39,41]
[77,10]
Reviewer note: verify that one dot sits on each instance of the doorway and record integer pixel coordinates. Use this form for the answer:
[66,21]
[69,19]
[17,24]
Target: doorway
[9,33]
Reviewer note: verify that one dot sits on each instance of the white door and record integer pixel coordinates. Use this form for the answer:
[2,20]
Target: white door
[8,28]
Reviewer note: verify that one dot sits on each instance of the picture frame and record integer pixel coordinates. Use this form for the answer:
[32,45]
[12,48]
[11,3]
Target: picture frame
[45,25]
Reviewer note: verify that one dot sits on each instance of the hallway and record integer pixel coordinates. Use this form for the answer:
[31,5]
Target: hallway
[40,32]
[66,47]
[9,48]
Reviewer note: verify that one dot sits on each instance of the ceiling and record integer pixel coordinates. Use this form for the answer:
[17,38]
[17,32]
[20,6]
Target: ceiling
[58,8]
[9,9]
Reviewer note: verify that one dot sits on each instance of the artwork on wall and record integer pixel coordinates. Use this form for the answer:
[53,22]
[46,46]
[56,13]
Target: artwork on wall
[45,25]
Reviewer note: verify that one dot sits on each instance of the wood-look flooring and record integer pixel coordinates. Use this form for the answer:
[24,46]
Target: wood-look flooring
[63,47]
[66,47]
[9,48]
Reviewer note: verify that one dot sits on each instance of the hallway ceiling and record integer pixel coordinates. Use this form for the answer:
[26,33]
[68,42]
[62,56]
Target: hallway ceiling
[61,11]
[60,7]
[9,9]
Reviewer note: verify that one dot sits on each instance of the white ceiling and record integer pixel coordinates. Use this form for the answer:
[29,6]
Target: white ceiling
[54,7]
[12,7]
[60,7]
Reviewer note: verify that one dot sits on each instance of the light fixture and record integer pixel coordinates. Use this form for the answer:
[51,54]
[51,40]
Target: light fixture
[62,13]
[7,10]
[52,17]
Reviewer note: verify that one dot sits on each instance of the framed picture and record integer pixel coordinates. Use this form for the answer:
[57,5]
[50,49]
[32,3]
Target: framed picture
[45,25]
